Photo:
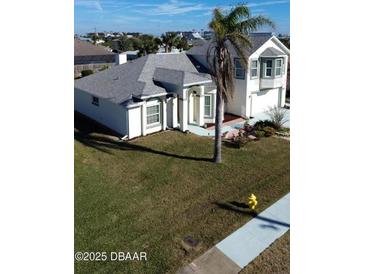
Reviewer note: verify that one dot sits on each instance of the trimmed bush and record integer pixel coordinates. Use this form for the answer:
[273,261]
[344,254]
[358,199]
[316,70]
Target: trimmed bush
[260,133]
[86,72]
[269,131]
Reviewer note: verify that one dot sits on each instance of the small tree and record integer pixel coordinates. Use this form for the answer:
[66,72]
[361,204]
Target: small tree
[277,116]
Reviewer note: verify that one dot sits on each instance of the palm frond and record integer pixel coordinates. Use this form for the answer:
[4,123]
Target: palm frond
[254,23]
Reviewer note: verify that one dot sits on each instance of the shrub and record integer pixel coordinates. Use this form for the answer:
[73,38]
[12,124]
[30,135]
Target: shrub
[104,67]
[241,140]
[277,116]
[260,133]
[259,125]
[86,72]
[269,131]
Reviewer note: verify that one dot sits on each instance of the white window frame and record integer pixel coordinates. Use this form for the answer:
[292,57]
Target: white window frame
[281,67]
[95,101]
[236,69]
[254,68]
[272,68]
[210,105]
[159,114]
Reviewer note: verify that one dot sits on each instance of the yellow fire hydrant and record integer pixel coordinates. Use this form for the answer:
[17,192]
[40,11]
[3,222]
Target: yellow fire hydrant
[252,202]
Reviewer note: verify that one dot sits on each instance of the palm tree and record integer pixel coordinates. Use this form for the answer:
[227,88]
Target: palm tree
[229,29]
[169,39]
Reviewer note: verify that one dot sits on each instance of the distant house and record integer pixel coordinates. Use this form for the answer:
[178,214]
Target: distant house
[194,38]
[91,57]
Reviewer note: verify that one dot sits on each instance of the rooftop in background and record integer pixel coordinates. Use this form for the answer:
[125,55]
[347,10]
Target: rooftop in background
[84,48]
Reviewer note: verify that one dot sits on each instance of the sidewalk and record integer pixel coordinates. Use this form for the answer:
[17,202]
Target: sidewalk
[245,244]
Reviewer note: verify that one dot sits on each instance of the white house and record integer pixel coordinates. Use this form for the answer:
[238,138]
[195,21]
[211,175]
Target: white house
[148,94]
[161,91]
[264,82]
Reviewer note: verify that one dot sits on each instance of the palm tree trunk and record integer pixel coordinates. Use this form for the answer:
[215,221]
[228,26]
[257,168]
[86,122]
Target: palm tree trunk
[218,128]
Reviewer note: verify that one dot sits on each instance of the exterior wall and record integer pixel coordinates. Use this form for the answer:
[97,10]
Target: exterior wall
[111,115]
[121,58]
[263,99]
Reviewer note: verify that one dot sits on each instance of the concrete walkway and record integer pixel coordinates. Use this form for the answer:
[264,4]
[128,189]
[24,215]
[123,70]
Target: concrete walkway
[245,244]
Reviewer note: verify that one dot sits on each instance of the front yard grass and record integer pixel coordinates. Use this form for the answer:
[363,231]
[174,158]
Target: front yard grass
[152,192]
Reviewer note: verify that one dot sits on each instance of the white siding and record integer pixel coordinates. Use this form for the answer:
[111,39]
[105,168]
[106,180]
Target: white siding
[264,99]
[108,114]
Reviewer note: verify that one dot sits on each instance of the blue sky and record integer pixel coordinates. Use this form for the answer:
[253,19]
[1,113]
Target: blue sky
[158,16]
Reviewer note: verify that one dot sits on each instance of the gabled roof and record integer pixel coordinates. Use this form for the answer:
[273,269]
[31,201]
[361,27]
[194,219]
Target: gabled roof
[271,52]
[257,40]
[141,77]
[84,48]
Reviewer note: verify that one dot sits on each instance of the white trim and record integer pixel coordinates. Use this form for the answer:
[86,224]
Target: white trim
[275,40]
[154,114]
[154,95]
[210,105]
[257,68]
[197,83]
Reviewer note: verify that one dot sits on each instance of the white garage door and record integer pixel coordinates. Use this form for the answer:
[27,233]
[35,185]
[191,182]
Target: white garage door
[261,100]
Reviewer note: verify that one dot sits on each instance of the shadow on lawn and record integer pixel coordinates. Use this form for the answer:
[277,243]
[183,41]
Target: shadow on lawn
[96,136]
[244,209]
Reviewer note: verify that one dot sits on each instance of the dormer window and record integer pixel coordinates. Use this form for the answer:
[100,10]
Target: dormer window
[239,71]
[273,67]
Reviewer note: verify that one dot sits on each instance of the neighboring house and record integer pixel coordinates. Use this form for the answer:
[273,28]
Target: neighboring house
[264,83]
[161,91]
[91,57]
[194,38]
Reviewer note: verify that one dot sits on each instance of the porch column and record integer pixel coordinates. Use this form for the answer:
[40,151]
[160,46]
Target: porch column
[183,111]
[175,101]
[144,119]
[164,114]
[201,106]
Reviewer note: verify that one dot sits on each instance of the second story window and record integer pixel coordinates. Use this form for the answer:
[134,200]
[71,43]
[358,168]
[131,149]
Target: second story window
[239,71]
[254,68]
[278,67]
[95,101]
[268,68]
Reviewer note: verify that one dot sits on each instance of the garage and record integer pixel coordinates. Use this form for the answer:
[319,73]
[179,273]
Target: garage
[260,101]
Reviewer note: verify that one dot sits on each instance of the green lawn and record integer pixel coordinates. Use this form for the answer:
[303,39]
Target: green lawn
[150,193]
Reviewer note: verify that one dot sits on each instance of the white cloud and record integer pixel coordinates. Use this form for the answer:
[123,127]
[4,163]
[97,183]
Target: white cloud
[267,3]
[91,4]
[172,7]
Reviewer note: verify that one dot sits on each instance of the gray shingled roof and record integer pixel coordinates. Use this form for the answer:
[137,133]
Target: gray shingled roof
[85,53]
[271,52]
[257,40]
[141,77]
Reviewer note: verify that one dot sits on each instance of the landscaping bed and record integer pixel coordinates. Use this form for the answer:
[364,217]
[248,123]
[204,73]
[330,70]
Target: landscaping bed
[151,193]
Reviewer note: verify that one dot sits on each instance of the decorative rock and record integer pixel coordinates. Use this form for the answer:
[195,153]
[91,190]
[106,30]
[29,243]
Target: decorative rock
[251,137]
[231,134]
